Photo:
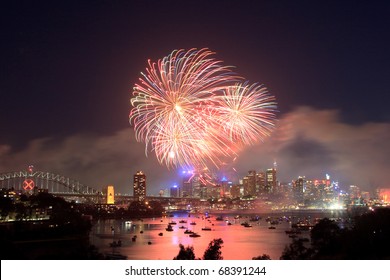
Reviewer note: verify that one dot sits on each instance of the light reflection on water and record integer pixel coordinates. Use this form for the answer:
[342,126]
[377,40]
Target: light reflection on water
[240,243]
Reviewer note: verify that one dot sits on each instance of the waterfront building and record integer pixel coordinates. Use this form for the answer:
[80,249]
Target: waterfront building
[139,191]
[110,194]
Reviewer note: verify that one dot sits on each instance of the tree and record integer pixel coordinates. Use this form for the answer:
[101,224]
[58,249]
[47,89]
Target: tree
[262,257]
[6,206]
[185,253]
[326,237]
[213,252]
[369,239]
[296,251]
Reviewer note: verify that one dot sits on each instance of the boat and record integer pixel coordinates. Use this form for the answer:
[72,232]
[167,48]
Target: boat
[306,226]
[187,231]
[272,227]
[206,228]
[246,224]
[255,219]
[219,218]
[193,224]
[160,234]
[194,235]
[182,221]
[116,243]
[169,227]
[172,223]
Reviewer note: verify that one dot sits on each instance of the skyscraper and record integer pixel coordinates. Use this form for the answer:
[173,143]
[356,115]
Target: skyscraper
[139,192]
[250,183]
[299,189]
[186,189]
[270,177]
[260,183]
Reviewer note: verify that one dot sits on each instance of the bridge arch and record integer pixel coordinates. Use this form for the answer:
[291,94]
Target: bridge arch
[54,183]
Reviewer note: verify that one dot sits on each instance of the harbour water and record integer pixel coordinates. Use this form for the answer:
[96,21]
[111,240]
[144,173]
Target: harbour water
[147,239]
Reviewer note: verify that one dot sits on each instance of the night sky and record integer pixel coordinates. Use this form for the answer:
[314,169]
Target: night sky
[68,69]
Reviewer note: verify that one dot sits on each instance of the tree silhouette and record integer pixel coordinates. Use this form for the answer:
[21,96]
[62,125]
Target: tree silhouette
[213,252]
[370,236]
[262,257]
[296,251]
[185,253]
[326,239]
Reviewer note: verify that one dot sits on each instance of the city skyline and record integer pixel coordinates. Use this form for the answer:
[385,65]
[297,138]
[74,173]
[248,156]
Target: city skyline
[69,69]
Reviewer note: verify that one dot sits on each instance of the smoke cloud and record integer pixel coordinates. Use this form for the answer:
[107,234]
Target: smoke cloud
[306,142]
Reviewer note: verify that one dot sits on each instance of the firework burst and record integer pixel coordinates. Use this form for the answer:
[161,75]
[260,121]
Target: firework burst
[246,113]
[192,111]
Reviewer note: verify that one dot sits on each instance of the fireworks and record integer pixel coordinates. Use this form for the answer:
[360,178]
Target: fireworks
[192,111]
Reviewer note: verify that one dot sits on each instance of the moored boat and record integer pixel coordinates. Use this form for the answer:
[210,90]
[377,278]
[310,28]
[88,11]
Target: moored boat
[169,228]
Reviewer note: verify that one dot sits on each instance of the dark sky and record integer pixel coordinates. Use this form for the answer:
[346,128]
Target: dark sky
[68,68]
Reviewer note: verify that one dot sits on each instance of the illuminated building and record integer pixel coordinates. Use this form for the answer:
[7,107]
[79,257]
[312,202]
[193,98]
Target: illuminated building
[249,183]
[139,192]
[355,195]
[110,195]
[235,191]
[299,188]
[174,191]
[215,191]
[260,182]
[186,189]
[225,187]
[199,187]
[270,180]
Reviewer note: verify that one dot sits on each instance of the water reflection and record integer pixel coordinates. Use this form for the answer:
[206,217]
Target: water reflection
[148,239]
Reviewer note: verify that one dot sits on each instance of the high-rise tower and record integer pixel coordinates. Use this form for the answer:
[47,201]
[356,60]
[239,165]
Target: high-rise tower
[250,183]
[139,186]
[270,180]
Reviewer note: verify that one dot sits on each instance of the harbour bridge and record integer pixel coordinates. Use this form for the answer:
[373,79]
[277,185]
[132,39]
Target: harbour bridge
[59,185]
[29,180]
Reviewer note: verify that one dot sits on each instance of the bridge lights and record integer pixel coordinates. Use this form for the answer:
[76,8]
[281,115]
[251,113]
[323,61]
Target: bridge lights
[28,184]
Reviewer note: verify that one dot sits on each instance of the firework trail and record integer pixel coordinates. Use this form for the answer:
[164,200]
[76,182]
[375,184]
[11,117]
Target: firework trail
[192,111]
